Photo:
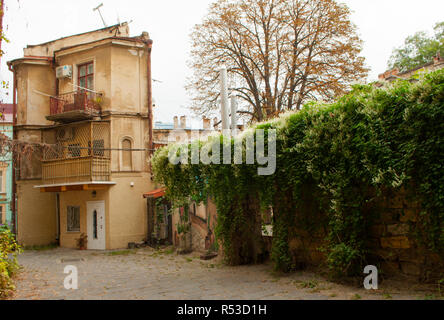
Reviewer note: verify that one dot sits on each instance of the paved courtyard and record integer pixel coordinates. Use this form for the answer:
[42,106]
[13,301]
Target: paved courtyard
[158,275]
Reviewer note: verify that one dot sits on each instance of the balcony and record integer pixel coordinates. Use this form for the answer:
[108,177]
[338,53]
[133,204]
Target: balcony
[77,154]
[75,106]
[80,170]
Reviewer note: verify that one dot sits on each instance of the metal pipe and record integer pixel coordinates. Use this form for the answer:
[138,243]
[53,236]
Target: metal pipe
[234,115]
[14,205]
[149,44]
[224,99]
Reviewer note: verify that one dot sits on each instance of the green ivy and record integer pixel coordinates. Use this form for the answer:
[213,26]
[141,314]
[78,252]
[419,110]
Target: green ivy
[334,163]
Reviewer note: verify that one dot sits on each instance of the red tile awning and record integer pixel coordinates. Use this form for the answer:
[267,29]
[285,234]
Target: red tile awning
[155,194]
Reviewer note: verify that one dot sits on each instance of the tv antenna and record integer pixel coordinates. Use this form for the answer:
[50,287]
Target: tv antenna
[98,9]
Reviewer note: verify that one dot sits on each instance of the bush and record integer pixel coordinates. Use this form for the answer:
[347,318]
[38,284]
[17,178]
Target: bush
[9,249]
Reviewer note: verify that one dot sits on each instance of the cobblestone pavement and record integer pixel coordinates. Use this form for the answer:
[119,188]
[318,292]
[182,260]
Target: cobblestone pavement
[158,275]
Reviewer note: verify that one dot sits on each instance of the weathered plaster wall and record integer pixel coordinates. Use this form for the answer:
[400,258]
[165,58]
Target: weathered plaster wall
[129,80]
[128,209]
[80,199]
[101,57]
[36,215]
[136,130]
[47,49]
[33,82]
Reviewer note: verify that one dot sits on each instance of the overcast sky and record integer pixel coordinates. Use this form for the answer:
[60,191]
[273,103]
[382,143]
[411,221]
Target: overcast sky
[382,24]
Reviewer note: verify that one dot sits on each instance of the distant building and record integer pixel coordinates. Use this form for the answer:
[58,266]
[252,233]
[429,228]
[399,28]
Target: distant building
[394,74]
[6,127]
[166,133]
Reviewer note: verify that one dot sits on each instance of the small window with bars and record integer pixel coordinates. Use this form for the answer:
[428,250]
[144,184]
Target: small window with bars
[74,150]
[73,219]
[98,148]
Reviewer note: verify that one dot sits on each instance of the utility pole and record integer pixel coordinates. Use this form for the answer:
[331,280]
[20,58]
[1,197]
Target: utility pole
[224,99]
[234,115]
[98,9]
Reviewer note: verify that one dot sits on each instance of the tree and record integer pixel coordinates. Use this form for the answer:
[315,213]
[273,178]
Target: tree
[279,54]
[2,36]
[418,49]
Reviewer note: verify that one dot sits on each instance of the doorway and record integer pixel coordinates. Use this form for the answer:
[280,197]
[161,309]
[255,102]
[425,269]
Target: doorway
[96,225]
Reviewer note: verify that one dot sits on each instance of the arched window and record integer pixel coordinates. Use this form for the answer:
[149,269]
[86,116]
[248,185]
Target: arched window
[127,159]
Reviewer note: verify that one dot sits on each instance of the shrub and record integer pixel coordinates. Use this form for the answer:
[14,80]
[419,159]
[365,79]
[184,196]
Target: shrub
[9,249]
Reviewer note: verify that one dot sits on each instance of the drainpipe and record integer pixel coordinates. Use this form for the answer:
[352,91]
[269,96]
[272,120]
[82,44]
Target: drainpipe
[14,161]
[149,43]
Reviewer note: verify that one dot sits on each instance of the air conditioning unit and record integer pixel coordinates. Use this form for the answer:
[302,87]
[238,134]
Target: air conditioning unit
[65,134]
[64,72]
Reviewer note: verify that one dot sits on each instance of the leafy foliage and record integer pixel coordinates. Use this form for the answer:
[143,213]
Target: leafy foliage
[418,49]
[334,161]
[278,54]
[8,261]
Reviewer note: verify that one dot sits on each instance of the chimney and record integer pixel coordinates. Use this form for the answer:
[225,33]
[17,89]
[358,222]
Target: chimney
[206,123]
[176,122]
[388,73]
[145,35]
[183,122]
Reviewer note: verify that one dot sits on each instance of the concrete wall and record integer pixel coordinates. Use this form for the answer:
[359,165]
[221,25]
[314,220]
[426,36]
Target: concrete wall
[36,215]
[128,209]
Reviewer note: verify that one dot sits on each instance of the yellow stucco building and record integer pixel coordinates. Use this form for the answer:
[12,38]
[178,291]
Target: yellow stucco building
[84,104]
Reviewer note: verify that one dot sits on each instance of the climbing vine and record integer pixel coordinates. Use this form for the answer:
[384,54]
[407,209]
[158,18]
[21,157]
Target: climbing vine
[334,161]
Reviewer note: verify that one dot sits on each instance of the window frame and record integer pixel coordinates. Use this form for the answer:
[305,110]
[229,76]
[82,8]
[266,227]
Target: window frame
[79,77]
[73,150]
[97,149]
[68,210]
[123,168]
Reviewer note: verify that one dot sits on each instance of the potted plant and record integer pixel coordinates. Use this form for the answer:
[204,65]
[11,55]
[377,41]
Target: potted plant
[82,242]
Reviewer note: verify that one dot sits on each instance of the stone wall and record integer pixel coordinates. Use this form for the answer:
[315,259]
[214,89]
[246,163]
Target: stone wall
[393,245]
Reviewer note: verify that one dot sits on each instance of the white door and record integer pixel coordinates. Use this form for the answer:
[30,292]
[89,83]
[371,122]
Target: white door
[96,225]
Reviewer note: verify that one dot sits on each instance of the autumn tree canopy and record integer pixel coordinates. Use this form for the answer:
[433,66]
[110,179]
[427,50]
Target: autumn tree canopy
[279,54]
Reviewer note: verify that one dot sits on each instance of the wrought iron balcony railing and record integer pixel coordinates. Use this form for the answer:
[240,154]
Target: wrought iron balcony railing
[78,105]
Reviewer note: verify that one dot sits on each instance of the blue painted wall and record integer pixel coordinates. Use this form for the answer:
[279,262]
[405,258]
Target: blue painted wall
[6,164]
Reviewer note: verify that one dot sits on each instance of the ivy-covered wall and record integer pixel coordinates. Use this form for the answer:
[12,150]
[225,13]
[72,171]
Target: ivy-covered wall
[337,166]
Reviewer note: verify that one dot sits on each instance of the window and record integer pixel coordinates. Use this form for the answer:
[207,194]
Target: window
[1,181]
[86,76]
[95,224]
[127,161]
[1,215]
[98,148]
[74,150]
[73,219]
